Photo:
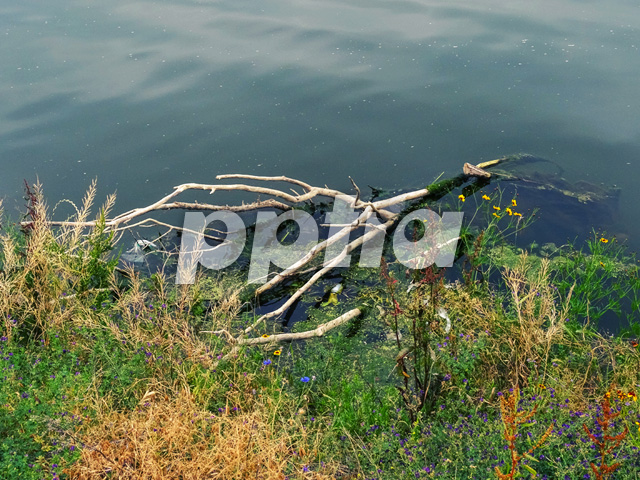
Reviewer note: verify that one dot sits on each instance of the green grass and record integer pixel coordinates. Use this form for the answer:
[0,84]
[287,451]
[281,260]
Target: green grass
[88,356]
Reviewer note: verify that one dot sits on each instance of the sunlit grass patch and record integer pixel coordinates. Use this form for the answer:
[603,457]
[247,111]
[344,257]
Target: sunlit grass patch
[174,438]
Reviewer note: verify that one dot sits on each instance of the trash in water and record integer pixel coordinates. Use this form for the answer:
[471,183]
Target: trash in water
[333,295]
[136,254]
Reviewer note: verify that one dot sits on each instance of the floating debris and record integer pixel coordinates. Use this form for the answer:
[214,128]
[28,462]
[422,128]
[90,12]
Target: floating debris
[333,295]
[136,254]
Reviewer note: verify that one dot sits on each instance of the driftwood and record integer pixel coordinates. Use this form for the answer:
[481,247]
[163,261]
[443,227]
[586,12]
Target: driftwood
[283,201]
[319,331]
[475,171]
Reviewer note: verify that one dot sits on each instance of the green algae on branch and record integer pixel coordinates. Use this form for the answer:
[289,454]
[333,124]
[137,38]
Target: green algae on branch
[584,192]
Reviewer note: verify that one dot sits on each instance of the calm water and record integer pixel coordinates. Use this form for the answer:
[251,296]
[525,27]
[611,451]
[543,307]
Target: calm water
[147,95]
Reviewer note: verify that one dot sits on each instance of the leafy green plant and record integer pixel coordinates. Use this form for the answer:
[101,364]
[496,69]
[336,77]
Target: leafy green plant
[94,269]
[416,359]
[494,223]
[604,278]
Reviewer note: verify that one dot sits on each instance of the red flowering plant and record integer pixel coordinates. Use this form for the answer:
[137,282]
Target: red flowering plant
[607,443]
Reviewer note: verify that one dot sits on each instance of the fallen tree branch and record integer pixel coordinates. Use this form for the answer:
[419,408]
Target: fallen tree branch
[316,332]
[315,191]
[292,269]
[248,207]
[280,178]
[320,273]
[319,331]
[283,201]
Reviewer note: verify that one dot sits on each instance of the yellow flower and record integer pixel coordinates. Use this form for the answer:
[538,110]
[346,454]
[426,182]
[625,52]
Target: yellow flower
[608,394]
[542,386]
[264,335]
[496,208]
[517,214]
[637,423]
[461,198]
[277,352]
[632,395]
[604,240]
[514,203]
[602,264]
[486,197]
[496,215]
[508,210]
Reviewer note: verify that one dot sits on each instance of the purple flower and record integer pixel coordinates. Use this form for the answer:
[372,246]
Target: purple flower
[267,362]
[304,379]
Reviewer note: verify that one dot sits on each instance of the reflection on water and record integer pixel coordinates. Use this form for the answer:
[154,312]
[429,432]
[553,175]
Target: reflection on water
[146,95]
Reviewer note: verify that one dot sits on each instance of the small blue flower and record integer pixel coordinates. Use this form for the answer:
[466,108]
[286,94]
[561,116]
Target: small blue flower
[267,362]
[304,379]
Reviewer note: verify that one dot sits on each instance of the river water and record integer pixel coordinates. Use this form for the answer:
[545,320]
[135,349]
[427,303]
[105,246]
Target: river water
[145,95]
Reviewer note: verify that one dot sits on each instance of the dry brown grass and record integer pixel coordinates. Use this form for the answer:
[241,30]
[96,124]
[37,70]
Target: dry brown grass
[172,438]
[525,326]
[540,315]
[35,277]
[32,278]
[529,326]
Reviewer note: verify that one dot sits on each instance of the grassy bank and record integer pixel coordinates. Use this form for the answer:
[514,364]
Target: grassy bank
[107,374]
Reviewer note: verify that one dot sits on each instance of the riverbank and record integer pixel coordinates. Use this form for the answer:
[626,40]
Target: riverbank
[108,374]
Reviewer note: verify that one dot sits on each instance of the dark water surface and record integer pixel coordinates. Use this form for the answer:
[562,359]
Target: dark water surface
[147,95]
